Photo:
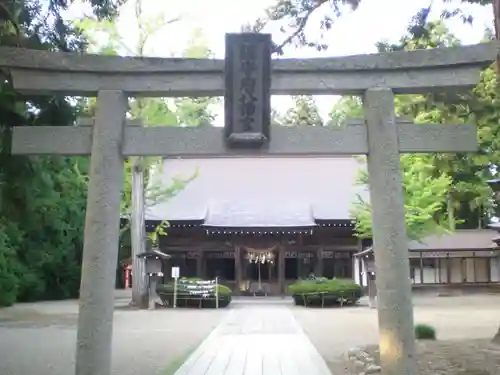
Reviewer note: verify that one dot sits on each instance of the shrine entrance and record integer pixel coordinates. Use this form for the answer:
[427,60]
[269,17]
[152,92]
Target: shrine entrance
[261,264]
[260,270]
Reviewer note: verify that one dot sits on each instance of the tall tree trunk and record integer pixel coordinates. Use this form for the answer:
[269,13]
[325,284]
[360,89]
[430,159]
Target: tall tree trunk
[496,23]
[140,296]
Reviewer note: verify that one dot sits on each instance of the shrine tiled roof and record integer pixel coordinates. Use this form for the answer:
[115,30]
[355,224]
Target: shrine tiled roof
[253,214]
[460,240]
[465,239]
[260,192]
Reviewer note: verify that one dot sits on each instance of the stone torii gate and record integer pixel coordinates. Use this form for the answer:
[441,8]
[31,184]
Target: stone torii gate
[246,78]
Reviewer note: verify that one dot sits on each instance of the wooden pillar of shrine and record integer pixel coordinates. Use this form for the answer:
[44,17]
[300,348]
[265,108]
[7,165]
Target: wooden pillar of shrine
[281,269]
[318,267]
[371,277]
[448,268]
[200,271]
[300,260]
[360,271]
[238,270]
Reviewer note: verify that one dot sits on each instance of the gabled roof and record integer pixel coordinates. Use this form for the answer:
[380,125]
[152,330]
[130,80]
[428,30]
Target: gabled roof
[465,239]
[460,240]
[260,192]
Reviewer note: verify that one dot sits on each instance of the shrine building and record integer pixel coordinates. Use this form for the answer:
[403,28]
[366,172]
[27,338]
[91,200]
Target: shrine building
[261,223]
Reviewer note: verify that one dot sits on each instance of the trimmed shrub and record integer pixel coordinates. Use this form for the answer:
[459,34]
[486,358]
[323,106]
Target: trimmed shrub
[425,332]
[323,292]
[190,293]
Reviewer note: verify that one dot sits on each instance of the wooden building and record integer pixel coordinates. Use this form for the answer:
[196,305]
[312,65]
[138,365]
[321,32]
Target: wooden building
[260,223]
[465,258]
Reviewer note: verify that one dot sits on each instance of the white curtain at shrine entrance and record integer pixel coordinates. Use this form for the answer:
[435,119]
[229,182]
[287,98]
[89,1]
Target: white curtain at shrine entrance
[263,258]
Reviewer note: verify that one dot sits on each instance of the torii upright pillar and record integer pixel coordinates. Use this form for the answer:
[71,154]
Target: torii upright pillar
[102,233]
[390,242]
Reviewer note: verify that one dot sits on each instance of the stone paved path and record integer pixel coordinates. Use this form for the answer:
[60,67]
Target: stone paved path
[256,340]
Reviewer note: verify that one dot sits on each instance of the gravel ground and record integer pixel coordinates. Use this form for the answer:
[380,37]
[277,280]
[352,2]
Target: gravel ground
[456,357]
[443,357]
[335,331]
[40,339]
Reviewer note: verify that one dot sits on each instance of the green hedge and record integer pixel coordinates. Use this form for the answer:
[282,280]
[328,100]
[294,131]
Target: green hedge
[323,292]
[425,332]
[185,298]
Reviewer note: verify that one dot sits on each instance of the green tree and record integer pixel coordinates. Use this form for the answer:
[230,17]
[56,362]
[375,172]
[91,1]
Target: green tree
[436,35]
[139,191]
[468,202]
[424,198]
[42,199]
[303,112]
[348,107]
[196,111]
[106,38]
[295,19]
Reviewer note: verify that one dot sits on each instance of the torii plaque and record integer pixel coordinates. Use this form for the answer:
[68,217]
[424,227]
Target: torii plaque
[247,94]
[380,136]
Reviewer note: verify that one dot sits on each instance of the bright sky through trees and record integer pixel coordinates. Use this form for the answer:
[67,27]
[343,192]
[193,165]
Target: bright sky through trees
[355,33]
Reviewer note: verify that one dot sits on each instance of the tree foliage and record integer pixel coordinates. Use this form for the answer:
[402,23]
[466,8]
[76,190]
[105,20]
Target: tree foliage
[424,197]
[470,197]
[348,107]
[303,112]
[442,190]
[151,111]
[42,199]
[105,38]
[296,17]
[196,111]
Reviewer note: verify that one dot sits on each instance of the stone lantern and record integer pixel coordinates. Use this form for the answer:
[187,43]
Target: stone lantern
[154,266]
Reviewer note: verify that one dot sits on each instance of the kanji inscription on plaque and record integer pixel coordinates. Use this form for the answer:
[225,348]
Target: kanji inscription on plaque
[247,95]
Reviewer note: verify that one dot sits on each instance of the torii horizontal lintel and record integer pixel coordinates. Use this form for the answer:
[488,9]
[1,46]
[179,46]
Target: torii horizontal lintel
[209,141]
[479,55]
[405,72]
